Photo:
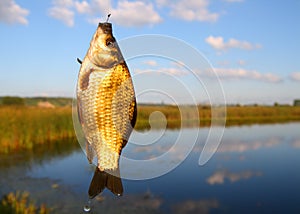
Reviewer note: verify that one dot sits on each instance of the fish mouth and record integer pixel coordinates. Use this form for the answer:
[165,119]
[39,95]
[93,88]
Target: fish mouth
[106,27]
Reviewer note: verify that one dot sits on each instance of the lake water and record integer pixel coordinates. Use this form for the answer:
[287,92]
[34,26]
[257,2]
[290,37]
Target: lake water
[256,169]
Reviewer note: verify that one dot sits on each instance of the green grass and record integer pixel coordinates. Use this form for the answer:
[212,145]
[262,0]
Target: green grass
[23,127]
[33,101]
[262,114]
[234,115]
[19,203]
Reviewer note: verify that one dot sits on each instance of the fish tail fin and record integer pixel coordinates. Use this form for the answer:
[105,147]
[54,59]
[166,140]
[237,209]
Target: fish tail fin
[102,179]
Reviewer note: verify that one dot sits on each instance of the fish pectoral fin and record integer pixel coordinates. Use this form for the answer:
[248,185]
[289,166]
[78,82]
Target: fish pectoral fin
[110,179]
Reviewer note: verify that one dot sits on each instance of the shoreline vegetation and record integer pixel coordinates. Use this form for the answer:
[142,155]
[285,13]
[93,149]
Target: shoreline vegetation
[234,115]
[24,126]
[19,203]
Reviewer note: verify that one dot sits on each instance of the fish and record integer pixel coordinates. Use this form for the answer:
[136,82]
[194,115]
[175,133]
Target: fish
[106,106]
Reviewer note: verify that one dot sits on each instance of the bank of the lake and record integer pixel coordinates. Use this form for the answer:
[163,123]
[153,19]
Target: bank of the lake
[23,127]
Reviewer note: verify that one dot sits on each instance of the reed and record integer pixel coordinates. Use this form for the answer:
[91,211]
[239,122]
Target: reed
[235,115]
[262,114]
[26,127]
[19,203]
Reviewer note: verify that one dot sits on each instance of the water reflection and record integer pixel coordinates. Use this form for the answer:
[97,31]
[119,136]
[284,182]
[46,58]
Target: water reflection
[296,143]
[219,176]
[192,206]
[39,154]
[238,145]
[255,169]
[145,202]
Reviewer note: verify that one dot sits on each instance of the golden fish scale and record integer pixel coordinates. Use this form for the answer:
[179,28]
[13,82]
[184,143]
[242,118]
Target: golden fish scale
[114,111]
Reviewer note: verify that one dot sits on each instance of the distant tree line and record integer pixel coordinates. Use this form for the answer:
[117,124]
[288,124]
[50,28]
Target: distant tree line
[16,101]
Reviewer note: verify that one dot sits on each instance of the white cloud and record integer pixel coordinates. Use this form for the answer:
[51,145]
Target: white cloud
[133,13]
[12,13]
[233,1]
[136,13]
[240,73]
[63,3]
[174,71]
[152,63]
[178,69]
[83,7]
[94,7]
[125,13]
[190,10]
[168,70]
[223,63]
[219,44]
[241,62]
[219,176]
[62,10]
[63,14]
[295,76]
[162,3]
[178,64]
[65,10]
[175,68]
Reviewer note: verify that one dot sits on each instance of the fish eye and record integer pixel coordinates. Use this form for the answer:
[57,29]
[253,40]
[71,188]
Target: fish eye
[110,42]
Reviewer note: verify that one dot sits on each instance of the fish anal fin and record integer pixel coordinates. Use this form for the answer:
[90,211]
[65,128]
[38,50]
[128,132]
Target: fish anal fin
[102,179]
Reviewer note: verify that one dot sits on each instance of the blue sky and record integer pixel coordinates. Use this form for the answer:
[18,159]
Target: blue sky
[252,45]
